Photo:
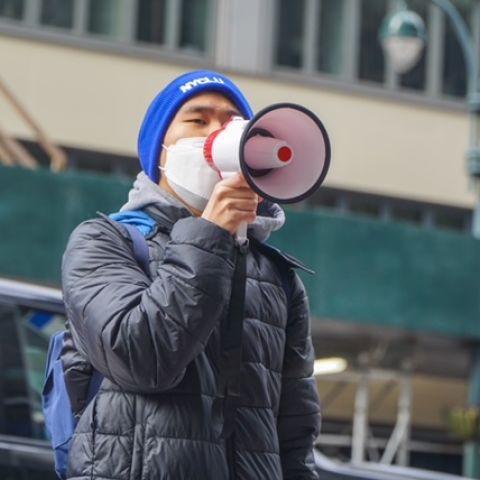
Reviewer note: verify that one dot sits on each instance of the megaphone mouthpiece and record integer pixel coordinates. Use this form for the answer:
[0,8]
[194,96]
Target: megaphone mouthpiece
[263,153]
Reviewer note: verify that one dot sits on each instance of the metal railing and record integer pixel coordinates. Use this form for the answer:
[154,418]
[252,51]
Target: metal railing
[12,152]
[386,449]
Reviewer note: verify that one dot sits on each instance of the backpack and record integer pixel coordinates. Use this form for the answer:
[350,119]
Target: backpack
[60,421]
[57,406]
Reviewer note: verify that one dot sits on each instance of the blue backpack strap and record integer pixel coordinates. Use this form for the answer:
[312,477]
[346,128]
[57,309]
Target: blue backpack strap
[140,247]
[138,218]
[94,385]
[59,419]
[138,225]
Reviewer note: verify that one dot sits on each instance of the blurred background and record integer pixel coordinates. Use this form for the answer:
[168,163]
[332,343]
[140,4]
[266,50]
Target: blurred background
[395,300]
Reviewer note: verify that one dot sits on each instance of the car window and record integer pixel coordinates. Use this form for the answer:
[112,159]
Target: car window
[23,352]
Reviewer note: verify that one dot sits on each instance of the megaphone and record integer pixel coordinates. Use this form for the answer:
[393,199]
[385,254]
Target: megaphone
[283,152]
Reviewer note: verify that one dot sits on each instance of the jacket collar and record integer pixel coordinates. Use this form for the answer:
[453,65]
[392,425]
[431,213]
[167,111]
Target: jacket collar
[167,210]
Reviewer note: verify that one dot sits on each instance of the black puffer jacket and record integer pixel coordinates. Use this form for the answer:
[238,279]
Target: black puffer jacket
[157,344]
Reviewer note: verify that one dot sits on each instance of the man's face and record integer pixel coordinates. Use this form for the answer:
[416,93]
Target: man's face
[199,117]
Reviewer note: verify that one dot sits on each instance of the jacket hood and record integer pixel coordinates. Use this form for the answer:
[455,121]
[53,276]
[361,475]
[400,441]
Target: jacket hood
[145,193]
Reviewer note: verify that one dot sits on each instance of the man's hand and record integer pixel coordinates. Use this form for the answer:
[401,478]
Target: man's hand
[231,203]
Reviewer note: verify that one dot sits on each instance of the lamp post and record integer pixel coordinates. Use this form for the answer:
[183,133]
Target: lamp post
[403,36]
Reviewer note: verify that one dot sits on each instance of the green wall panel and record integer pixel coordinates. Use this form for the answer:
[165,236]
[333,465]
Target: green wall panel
[367,272]
[388,274]
[38,211]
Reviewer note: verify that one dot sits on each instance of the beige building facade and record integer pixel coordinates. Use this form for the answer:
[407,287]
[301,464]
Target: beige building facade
[93,100]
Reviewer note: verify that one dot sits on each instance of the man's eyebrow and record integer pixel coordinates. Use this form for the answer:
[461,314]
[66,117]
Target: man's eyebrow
[209,110]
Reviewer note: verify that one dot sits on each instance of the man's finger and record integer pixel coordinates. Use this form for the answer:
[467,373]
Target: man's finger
[236,180]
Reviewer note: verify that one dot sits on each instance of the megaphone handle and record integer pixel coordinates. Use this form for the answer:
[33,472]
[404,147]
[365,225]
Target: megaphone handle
[241,235]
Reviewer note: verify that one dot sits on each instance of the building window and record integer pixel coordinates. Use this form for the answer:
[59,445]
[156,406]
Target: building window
[408,213]
[176,25]
[310,35]
[57,13]
[321,36]
[107,17]
[453,75]
[425,215]
[181,25]
[330,42]
[290,33]
[12,9]
[371,60]
[453,219]
[194,22]
[151,21]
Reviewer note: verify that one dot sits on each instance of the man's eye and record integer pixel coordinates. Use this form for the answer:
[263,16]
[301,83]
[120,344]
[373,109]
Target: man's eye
[198,121]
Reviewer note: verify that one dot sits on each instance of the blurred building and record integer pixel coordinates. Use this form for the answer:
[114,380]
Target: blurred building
[395,294]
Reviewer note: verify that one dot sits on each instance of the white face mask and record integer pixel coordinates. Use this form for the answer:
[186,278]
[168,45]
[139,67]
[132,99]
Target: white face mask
[188,173]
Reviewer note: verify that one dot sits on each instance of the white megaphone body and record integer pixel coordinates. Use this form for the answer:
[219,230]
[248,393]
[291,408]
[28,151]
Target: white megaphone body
[283,153]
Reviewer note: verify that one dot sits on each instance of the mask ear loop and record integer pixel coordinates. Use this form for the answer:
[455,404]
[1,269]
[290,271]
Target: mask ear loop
[163,169]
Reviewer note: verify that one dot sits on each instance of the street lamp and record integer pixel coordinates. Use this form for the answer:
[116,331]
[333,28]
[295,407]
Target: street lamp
[403,36]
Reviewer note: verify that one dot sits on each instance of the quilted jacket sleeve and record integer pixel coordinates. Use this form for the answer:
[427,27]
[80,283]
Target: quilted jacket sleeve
[138,333]
[299,413]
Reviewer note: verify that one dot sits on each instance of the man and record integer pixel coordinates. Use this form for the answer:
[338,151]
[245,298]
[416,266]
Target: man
[165,409]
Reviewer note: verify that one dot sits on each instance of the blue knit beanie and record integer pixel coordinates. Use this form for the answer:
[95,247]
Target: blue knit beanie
[166,104]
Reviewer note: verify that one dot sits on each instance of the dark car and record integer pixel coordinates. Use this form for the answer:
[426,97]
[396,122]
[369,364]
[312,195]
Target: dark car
[28,316]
